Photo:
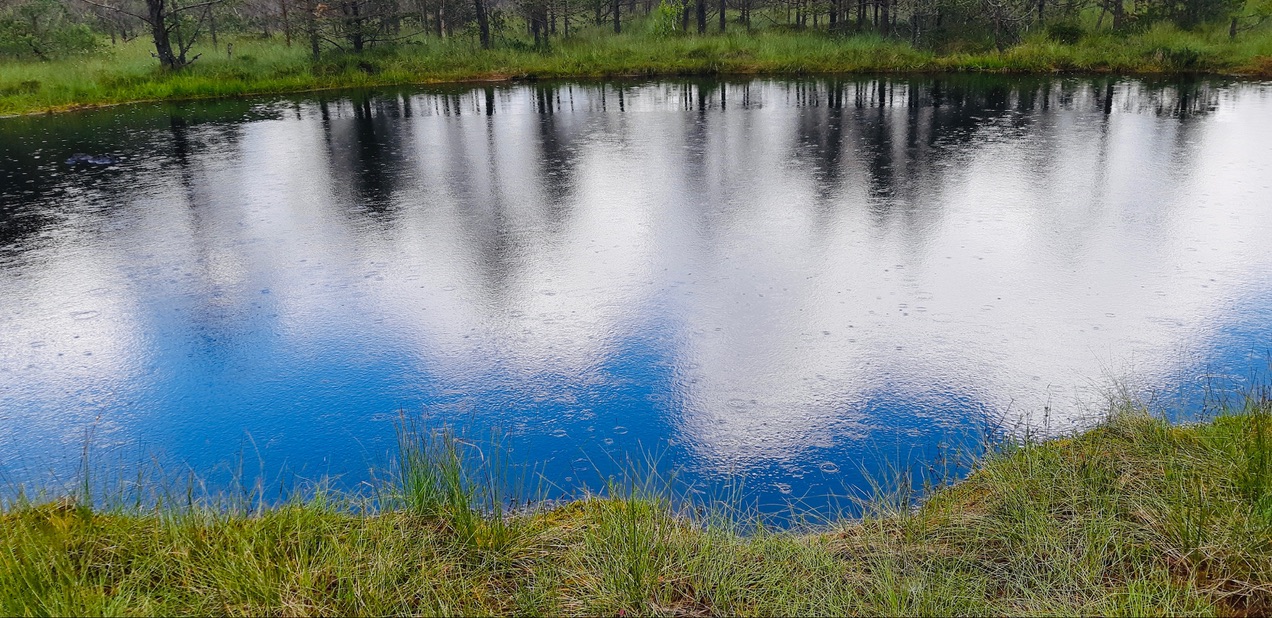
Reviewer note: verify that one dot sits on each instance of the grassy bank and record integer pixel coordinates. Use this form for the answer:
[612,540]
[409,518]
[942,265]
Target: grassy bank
[1135,517]
[127,72]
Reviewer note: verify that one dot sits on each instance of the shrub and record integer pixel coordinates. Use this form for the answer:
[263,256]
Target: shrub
[43,29]
[1066,33]
[1176,56]
[665,20]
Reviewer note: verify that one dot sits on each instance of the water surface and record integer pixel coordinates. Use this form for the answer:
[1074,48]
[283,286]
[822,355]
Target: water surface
[793,282]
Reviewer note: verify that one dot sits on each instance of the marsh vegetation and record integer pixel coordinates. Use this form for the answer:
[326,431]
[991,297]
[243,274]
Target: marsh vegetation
[1134,517]
[59,55]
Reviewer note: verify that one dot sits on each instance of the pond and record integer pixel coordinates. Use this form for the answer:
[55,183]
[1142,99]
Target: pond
[789,286]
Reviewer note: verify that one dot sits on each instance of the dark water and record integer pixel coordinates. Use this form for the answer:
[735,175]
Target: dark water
[791,282]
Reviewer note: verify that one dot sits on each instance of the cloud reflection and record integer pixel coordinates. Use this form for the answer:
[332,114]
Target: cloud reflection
[768,274]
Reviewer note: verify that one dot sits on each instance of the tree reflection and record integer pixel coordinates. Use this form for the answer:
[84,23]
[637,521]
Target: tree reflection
[764,268]
[368,155]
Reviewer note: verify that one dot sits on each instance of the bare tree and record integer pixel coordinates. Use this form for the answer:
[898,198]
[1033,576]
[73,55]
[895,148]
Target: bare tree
[169,21]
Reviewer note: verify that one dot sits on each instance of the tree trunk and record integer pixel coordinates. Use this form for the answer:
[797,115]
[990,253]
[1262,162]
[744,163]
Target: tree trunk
[702,16]
[618,24]
[211,29]
[159,30]
[181,44]
[483,23]
[311,25]
[723,11]
[358,40]
[286,22]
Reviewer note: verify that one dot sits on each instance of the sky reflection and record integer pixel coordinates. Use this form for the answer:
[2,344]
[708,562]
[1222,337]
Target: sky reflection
[787,280]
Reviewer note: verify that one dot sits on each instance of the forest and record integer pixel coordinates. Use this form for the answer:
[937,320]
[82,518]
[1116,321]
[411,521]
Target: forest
[51,29]
[61,54]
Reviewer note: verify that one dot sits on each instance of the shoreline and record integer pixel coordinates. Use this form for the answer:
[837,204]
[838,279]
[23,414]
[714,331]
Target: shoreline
[1133,516]
[522,79]
[125,74]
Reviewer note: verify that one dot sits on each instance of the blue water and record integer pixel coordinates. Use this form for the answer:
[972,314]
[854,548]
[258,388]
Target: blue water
[790,286]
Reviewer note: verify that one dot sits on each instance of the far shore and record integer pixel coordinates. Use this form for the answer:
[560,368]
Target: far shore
[127,74]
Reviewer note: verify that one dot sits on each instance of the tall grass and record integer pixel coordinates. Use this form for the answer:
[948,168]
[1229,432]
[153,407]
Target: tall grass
[126,72]
[1134,517]
[461,485]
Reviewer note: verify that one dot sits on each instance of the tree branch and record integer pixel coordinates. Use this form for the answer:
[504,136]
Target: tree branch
[116,9]
[178,9]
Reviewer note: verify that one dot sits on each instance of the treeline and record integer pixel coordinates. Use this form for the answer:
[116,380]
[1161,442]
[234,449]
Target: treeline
[47,29]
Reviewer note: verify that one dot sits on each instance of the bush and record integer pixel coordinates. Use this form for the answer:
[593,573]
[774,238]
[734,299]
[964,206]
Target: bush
[665,20]
[1066,33]
[1177,57]
[30,86]
[43,29]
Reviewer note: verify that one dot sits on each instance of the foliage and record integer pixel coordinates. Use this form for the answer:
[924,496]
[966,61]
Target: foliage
[1187,13]
[665,20]
[354,25]
[357,26]
[43,29]
[1065,32]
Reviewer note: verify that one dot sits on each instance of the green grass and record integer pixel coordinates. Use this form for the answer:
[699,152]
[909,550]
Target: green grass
[1135,517]
[127,73]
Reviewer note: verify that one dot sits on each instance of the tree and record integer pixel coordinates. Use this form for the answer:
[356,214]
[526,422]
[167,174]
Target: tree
[355,25]
[483,22]
[43,29]
[169,20]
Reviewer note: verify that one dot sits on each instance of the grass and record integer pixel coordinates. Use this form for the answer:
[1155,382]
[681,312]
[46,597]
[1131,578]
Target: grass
[127,73]
[1134,517]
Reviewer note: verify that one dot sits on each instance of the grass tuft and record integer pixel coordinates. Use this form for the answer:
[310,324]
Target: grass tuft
[1134,517]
